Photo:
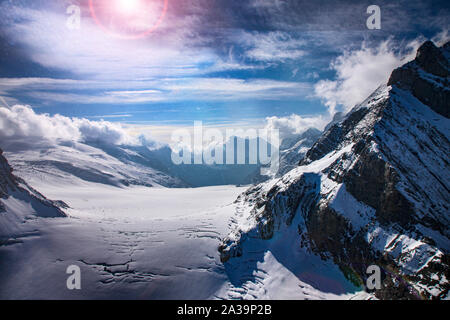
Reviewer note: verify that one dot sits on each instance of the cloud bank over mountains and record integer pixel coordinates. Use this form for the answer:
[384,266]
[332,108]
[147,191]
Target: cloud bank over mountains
[21,125]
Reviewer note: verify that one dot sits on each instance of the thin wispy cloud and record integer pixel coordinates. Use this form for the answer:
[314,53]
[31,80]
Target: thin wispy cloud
[169,89]
[271,46]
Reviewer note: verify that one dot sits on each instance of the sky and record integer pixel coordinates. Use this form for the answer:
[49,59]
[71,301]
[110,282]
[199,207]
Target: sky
[152,65]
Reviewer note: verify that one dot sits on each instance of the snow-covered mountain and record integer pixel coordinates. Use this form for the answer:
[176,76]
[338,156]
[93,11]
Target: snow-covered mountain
[292,150]
[20,202]
[68,163]
[373,190]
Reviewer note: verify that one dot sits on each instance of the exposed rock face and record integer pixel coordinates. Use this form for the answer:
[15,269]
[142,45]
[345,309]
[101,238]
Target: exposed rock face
[427,77]
[18,201]
[7,180]
[374,188]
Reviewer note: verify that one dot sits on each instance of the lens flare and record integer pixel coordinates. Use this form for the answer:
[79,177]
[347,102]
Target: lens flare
[128,19]
[128,6]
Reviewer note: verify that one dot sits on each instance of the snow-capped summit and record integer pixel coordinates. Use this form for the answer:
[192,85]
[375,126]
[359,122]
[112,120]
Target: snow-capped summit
[373,190]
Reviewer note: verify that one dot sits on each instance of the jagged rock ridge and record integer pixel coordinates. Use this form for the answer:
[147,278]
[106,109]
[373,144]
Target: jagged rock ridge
[374,188]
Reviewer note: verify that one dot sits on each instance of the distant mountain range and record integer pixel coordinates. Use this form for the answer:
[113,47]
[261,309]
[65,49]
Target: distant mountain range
[124,165]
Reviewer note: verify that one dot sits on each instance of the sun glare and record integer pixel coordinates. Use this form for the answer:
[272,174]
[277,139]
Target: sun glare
[128,19]
[128,6]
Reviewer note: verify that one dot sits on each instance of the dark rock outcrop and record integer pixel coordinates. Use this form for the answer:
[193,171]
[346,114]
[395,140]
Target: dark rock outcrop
[7,180]
[12,186]
[427,77]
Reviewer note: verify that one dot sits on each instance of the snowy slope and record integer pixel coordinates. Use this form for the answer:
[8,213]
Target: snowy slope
[20,203]
[130,243]
[374,189]
[80,163]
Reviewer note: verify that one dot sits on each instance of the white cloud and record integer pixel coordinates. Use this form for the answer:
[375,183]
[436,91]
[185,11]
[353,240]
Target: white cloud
[360,72]
[21,125]
[296,124]
[271,47]
[224,88]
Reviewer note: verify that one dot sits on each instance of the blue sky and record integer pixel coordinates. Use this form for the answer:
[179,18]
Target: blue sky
[225,62]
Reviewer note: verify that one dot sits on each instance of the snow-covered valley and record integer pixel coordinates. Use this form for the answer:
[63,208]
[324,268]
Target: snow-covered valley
[130,243]
[141,243]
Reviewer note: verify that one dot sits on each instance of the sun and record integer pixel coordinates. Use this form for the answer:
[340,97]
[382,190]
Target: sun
[128,6]
[128,19]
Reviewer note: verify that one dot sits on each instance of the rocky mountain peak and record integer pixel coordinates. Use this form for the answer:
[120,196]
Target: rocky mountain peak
[427,77]
[431,59]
